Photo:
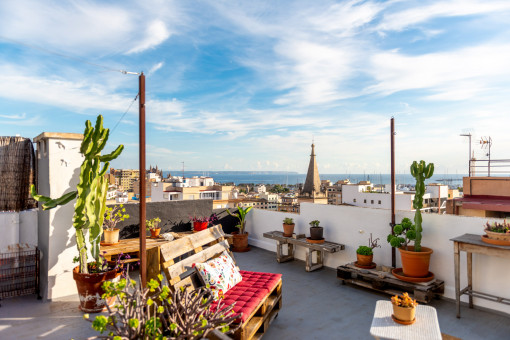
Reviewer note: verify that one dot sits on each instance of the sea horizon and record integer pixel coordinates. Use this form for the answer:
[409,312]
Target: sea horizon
[293,178]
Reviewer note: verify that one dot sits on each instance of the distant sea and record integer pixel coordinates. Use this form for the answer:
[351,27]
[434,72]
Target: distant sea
[292,178]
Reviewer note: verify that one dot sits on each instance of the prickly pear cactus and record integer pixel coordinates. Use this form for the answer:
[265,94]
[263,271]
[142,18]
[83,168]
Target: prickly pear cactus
[91,194]
[421,172]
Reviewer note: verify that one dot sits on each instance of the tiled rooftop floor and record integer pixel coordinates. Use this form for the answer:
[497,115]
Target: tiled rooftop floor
[315,306]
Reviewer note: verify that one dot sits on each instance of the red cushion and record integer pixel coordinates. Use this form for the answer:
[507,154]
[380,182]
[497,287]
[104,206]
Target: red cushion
[248,293]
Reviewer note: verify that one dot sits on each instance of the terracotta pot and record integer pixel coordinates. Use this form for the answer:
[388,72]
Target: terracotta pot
[404,313]
[155,232]
[90,290]
[365,260]
[498,236]
[199,226]
[316,233]
[288,229]
[415,264]
[111,236]
[240,242]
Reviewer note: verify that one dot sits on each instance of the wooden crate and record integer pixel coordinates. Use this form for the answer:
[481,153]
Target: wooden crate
[386,283]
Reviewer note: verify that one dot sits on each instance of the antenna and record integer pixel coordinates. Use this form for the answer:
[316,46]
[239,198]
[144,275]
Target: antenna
[182,172]
[486,143]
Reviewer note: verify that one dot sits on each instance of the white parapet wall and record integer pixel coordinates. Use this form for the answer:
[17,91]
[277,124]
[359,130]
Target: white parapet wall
[18,227]
[58,167]
[352,226]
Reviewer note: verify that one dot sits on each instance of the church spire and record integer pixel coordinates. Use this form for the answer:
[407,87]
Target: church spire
[312,183]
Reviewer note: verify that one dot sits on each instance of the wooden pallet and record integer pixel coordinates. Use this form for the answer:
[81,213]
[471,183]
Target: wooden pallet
[386,283]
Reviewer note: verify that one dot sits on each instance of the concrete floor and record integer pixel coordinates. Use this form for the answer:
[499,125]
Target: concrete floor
[315,306]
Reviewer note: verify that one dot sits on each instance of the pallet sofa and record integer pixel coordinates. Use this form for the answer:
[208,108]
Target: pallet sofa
[258,296]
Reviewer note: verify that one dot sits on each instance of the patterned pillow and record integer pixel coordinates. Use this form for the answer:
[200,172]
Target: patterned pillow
[220,274]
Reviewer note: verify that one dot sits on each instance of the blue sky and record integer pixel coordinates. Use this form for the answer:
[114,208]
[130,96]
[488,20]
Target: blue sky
[248,85]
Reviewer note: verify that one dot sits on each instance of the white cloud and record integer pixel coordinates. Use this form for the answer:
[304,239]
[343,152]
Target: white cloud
[156,67]
[155,34]
[14,116]
[399,20]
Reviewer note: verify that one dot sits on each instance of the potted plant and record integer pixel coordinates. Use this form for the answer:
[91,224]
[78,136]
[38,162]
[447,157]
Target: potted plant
[415,259]
[316,232]
[404,308]
[365,254]
[288,227]
[498,231]
[113,216]
[152,225]
[240,239]
[89,213]
[158,312]
[201,223]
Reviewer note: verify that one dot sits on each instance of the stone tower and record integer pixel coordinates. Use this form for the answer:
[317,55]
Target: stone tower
[312,186]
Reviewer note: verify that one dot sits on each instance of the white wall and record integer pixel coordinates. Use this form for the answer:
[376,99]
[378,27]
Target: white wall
[352,226]
[59,164]
[18,227]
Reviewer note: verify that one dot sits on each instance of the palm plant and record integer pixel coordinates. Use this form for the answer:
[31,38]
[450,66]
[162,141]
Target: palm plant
[241,215]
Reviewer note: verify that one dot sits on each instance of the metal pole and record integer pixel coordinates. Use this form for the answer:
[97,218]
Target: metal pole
[143,253]
[393,259]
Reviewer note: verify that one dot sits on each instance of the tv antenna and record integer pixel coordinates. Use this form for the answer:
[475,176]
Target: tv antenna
[182,172]
[486,143]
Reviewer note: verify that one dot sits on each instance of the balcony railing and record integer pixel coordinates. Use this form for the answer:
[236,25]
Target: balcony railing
[488,167]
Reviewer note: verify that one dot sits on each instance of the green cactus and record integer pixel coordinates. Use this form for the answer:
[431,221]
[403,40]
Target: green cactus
[421,172]
[90,205]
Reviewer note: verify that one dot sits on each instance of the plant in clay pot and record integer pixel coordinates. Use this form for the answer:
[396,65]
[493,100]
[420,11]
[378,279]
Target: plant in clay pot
[241,238]
[89,213]
[288,227]
[365,254]
[404,308]
[152,225]
[498,231]
[113,216]
[316,232]
[201,223]
[415,259]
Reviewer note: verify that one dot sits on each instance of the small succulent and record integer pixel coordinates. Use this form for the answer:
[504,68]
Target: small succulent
[404,301]
[364,250]
[288,221]
[153,223]
[496,227]
[315,223]
[403,233]
[113,216]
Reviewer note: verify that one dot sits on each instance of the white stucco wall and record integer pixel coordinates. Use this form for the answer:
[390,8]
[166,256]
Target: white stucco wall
[59,163]
[18,227]
[352,226]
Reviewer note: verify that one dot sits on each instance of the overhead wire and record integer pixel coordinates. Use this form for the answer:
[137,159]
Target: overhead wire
[129,107]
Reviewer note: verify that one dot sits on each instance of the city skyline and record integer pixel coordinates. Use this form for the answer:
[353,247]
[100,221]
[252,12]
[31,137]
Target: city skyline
[248,86]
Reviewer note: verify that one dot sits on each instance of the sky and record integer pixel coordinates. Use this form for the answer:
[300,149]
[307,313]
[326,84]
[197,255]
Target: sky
[248,85]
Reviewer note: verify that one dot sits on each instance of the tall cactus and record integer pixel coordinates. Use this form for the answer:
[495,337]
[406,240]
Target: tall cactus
[91,191]
[420,171]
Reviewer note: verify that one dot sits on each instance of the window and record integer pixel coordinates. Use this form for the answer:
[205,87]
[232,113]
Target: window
[364,201]
[354,200]
[372,202]
[379,201]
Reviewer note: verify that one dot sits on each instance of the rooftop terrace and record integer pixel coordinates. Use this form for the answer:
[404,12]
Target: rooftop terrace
[315,306]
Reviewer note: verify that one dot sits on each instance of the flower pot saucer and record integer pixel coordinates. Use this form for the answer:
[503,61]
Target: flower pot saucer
[309,240]
[108,244]
[495,242]
[372,265]
[402,322]
[399,274]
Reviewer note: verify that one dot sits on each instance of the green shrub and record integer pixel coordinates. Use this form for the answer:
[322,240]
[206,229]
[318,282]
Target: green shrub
[364,250]
[288,220]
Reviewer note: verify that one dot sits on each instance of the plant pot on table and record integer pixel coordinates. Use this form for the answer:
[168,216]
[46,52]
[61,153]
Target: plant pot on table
[288,229]
[155,232]
[405,314]
[111,236]
[365,260]
[316,233]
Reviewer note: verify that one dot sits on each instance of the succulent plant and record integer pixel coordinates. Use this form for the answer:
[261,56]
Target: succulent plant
[404,300]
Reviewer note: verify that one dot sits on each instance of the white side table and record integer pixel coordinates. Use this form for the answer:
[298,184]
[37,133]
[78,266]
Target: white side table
[426,325]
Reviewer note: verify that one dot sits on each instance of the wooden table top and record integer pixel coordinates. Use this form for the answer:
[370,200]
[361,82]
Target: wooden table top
[330,247]
[476,240]
[131,245]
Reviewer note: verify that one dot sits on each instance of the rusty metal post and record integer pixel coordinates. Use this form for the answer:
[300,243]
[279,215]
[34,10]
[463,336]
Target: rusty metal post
[393,259]
[143,253]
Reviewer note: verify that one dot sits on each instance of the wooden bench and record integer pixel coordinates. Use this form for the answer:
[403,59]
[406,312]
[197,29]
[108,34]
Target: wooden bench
[311,248]
[178,257]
